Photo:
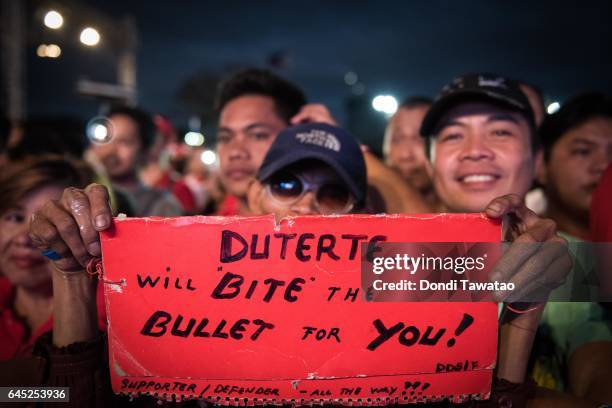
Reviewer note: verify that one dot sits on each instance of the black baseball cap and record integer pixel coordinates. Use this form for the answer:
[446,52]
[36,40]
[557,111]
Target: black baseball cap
[490,87]
[319,141]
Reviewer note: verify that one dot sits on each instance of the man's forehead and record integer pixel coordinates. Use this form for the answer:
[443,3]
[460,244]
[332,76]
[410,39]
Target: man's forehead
[478,109]
[408,118]
[248,110]
[410,114]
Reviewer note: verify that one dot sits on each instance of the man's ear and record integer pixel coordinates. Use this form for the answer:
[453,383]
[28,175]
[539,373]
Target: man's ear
[430,154]
[254,197]
[540,167]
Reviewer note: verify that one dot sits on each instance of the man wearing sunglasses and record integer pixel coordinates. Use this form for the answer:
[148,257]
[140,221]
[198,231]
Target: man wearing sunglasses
[312,168]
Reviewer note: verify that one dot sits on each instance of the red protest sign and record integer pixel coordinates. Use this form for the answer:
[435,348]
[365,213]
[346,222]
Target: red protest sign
[245,311]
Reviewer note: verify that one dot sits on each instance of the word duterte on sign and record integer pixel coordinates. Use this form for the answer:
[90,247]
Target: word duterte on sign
[241,310]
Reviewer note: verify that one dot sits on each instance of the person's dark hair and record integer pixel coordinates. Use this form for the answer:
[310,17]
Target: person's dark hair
[22,177]
[416,102]
[50,135]
[573,113]
[288,98]
[146,126]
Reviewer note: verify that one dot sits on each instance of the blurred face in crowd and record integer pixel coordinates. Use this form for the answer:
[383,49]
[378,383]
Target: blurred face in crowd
[481,152]
[576,162]
[247,127]
[120,156]
[20,261]
[405,150]
[307,188]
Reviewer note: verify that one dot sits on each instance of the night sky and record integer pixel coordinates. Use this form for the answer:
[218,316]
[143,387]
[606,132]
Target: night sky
[400,48]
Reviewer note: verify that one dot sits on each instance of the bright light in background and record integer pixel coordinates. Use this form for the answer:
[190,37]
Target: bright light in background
[385,103]
[41,51]
[53,20]
[553,107]
[53,51]
[194,139]
[90,37]
[48,51]
[100,132]
[208,157]
[350,78]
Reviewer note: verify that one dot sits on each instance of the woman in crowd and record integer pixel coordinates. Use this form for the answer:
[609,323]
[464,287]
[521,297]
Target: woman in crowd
[26,290]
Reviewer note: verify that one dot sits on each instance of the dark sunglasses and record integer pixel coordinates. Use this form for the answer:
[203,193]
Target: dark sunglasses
[330,198]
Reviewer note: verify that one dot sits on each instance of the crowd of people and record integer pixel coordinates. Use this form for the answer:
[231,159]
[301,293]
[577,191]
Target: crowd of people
[484,144]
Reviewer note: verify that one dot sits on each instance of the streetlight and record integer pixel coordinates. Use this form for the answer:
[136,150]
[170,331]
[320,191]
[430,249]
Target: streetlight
[99,130]
[48,51]
[53,20]
[90,37]
[41,51]
[194,139]
[553,107]
[385,103]
[208,157]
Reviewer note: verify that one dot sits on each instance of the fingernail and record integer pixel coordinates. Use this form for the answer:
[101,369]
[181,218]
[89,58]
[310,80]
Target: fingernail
[94,249]
[101,221]
[495,207]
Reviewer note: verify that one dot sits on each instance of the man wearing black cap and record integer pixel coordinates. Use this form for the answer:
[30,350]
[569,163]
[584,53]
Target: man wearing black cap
[310,169]
[483,142]
[483,151]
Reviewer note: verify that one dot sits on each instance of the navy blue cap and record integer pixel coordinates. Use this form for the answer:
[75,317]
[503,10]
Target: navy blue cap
[319,141]
[495,88]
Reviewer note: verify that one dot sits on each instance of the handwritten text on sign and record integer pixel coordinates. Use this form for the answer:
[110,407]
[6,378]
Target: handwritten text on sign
[247,311]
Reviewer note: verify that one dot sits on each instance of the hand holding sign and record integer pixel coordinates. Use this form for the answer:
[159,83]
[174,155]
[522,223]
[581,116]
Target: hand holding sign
[538,260]
[71,226]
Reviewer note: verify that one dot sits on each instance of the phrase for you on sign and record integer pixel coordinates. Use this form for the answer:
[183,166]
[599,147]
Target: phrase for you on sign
[242,311]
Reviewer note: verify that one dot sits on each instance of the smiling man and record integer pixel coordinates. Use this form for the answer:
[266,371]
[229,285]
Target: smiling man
[483,142]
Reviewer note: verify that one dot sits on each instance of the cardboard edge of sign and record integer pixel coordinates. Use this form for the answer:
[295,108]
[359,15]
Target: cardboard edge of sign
[347,391]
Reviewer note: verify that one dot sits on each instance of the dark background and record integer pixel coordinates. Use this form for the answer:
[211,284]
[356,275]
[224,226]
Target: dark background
[398,48]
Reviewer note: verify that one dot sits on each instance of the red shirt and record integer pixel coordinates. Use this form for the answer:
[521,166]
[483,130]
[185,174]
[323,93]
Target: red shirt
[15,338]
[229,206]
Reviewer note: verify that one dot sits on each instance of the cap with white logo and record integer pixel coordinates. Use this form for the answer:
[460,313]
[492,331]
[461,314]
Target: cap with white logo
[319,141]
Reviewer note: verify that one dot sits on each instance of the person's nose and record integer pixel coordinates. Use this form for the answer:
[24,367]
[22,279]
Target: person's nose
[239,148]
[407,154]
[475,147]
[306,205]
[22,236]
[601,162]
